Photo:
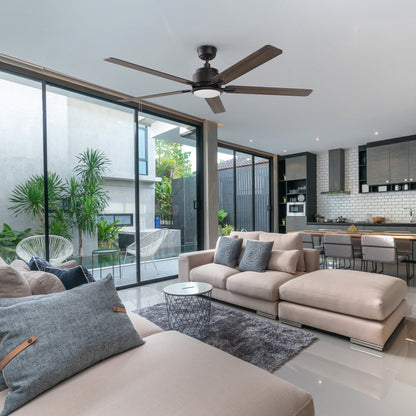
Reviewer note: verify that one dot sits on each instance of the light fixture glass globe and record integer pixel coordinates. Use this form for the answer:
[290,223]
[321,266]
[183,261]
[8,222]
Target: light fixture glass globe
[207,93]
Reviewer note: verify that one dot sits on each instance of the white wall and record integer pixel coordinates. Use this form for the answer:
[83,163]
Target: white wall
[356,206]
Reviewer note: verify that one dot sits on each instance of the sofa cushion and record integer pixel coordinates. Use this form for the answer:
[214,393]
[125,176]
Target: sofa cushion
[36,263]
[228,251]
[70,331]
[366,295]
[172,375]
[255,257]
[12,283]
[284,260]
[20,265]
[43,283]
[73,277]
[291,241]
[245,235]
[214,274]
[263,286]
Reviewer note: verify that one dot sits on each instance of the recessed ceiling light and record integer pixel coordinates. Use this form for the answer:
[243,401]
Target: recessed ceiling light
[317,139]
[320,381]
[251,140]
[376,133]
[284,151]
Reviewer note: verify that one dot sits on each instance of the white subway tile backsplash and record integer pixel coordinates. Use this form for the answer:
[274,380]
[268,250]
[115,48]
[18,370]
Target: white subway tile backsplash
[356,206]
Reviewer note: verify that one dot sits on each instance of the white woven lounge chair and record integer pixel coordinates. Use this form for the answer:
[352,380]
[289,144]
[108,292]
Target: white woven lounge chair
[149,244]
[60,249]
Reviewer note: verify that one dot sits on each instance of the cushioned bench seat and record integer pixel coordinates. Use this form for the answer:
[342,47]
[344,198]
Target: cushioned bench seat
[366,307]
[263,286]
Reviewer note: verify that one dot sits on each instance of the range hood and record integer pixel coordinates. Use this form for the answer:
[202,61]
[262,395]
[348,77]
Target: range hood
[336,172]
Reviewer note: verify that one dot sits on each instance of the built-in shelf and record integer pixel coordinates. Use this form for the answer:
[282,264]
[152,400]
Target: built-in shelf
[336,193]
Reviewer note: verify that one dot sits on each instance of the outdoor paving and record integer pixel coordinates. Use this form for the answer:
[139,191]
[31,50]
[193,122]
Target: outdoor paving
[165,267]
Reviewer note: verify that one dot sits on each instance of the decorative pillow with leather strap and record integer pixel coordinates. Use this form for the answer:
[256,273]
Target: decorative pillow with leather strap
[53,337]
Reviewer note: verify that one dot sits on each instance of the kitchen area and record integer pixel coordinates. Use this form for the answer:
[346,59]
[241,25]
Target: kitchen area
[370,186]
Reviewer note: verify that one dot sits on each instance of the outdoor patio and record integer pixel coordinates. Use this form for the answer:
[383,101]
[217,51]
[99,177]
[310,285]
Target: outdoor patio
[166,267]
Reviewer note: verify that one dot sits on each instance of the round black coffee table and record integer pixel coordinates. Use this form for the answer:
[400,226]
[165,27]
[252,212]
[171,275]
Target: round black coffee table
[189,307]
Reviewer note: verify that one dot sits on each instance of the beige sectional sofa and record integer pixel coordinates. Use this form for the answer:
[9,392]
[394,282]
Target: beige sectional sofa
[253,290]
[171,374]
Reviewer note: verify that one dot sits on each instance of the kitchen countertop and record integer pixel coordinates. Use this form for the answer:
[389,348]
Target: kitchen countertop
[383,224]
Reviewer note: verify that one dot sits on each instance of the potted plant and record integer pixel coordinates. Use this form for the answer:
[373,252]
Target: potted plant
[284,199]
[283,221]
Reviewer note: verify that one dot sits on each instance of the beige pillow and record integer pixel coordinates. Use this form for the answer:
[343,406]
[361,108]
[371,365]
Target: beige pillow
[291,241]
[283,260]
[20,265]
[12,283]
[68,264]
[43,283]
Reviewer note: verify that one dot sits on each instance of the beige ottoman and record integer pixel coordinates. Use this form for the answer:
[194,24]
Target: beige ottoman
[365,307]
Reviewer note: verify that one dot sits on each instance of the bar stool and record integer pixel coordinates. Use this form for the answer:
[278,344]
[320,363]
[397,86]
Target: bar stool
[382,249]
[339,246]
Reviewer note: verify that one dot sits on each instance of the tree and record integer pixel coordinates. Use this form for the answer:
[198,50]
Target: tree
[29,197]
[85,197]
[171,163]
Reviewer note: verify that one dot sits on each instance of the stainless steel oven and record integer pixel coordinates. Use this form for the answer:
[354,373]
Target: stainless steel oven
[296,209]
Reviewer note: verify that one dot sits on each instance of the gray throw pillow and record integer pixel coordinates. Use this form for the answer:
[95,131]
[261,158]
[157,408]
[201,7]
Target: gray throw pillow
[74,330]
[228,251]
[256,256]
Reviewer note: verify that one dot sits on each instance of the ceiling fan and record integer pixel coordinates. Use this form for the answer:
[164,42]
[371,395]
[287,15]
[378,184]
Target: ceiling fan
[209,84]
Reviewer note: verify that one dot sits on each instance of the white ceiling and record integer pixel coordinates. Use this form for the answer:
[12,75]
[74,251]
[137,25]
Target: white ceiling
[358,56]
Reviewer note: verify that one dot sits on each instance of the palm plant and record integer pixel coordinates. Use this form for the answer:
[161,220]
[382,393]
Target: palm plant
[86,198]
[107,233]
[29,198]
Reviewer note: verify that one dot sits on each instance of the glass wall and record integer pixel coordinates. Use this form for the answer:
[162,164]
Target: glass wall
[122,185]
[91,150]
[168,196]
[21,158]
[244,198]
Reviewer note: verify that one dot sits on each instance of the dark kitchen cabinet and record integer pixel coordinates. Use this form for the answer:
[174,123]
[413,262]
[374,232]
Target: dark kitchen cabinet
[296,168]
[412,161]
[378,165]
[399,162]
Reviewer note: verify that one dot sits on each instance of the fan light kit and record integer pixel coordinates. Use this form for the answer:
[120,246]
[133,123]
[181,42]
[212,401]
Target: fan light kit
[209,84]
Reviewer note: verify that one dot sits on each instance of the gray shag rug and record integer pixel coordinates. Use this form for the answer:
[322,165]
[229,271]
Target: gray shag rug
[266,344]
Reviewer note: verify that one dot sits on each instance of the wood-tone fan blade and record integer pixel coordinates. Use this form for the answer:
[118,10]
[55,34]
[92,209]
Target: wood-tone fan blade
[148,70]
[216,105]
[252,61]
[144,97]
[239,89]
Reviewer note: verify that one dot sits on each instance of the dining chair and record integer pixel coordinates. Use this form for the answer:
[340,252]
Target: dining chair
[308,242]
[382,249]
[339,246]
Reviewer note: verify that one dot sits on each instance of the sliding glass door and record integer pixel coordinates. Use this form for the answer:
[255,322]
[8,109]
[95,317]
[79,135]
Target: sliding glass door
[244,197]
[124,188]
[168,195]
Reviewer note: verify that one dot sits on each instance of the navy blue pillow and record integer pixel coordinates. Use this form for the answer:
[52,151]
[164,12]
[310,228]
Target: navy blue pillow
[36,263]
[73,277]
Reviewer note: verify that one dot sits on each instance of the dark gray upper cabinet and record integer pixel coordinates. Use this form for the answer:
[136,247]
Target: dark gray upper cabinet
[399,162]
[296,168]
[412,161]
[378,165]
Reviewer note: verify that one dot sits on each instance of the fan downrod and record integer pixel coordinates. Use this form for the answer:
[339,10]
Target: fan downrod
[207,52]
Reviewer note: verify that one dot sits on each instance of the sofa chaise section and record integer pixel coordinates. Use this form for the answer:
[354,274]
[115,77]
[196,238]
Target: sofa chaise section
[171,374]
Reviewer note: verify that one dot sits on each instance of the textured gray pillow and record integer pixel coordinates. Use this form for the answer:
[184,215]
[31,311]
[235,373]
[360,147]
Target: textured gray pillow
[256,255]
[74,330]
[228,251]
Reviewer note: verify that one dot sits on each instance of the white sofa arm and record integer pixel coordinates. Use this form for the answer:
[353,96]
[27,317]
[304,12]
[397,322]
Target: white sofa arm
[188,261]
[311,256]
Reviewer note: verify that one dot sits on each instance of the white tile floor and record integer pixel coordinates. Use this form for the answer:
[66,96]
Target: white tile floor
[344,379]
